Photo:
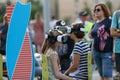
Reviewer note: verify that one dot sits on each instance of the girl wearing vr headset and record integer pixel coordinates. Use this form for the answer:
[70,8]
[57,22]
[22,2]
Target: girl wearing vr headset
[78,68]
[49,49]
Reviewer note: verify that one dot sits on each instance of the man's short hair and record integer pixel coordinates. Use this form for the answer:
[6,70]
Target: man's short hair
[83,13]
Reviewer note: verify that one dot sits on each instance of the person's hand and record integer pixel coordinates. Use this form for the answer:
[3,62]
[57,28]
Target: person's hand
[0,34]
[74,79]
[92,61]
[66,73]
[113,57]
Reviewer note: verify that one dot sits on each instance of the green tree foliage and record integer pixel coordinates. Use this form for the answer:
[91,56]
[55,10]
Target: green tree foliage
[67,20]
[36,7]
[8,2]
[118,7]
[109,4]
[3,9]
[56,9]
[88,10]
[2,12]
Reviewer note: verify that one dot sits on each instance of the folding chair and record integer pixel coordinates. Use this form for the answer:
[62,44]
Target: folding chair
[1,67]
[89,64]
[45,72]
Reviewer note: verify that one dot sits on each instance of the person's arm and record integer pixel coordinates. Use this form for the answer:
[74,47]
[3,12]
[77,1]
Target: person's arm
[0,34]
[89,34]
[113,56]
[114,33]
[113,29]
[74,65]
[57,73]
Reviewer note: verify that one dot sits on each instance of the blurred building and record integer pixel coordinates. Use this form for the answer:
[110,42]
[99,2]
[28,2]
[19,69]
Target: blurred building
[71,8]
[13,1]
[3,1]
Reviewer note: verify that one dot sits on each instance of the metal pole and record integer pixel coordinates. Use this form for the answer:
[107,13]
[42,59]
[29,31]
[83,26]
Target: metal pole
[76,8]
[46,13]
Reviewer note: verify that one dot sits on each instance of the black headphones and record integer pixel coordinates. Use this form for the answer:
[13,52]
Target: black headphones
[76,30]
[60,23]
[52,38]
[60,38]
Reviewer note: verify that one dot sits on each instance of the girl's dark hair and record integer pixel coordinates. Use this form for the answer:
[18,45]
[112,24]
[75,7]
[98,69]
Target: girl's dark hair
[60,23]
[76,29]
[50,41]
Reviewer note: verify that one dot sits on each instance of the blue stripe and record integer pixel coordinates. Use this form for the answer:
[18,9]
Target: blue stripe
[16,33]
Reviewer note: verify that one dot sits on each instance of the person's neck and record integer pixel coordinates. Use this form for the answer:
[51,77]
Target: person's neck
[77,40]
[101,18]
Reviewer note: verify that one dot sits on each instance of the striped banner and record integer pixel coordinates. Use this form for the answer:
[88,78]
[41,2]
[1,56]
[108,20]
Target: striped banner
[9,10]
[23,67]
[20,57]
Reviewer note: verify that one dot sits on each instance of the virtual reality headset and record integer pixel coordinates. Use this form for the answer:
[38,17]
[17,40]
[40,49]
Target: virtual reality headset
[61,38]
[69,29]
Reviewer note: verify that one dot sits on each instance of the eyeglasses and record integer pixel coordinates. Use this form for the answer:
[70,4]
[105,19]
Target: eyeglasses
[98,10]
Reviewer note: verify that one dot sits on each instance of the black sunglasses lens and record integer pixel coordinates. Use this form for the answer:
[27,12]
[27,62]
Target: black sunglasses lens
[97,10]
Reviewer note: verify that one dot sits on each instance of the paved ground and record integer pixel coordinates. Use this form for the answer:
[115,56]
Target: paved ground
[7,79]
[95,76]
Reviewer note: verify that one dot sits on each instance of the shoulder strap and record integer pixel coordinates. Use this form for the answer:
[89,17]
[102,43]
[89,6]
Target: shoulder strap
[117,17]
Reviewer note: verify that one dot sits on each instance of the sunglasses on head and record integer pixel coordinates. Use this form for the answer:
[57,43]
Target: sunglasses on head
[98,10]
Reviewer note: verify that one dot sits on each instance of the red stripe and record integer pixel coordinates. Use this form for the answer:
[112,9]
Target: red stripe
[24,64]
[10,7]
[8,17]
[9,10]
[9,14]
